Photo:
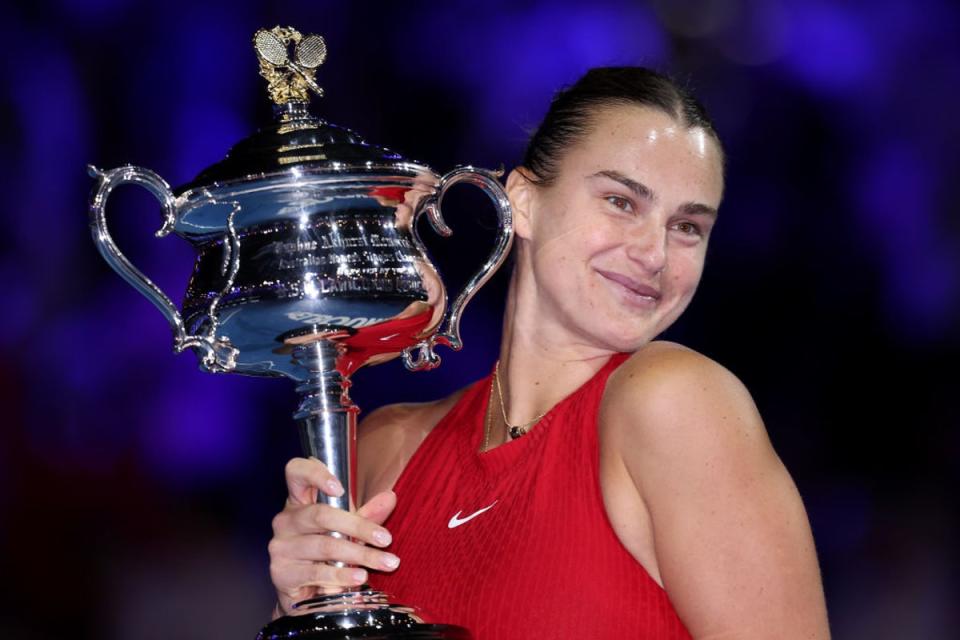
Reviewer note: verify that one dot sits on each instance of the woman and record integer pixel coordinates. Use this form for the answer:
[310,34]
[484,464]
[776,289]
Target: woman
[598,484]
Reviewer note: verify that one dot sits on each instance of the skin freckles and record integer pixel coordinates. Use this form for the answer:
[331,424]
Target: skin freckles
[622,232]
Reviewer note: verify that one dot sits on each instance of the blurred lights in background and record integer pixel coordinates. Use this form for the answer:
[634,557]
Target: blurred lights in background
[832,285]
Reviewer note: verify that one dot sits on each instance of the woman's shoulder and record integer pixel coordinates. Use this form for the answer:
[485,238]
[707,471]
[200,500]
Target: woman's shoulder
[687,450]
[390,435]
[668,372]
[667,395]
[664,361]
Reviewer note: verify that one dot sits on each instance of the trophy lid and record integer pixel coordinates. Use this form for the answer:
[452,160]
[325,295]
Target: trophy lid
[297,142]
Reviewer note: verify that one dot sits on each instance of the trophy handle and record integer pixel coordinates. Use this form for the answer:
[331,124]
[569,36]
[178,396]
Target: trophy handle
[217,355]
[449,332]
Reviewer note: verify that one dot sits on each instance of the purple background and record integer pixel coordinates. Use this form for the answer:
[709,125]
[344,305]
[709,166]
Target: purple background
[136,492]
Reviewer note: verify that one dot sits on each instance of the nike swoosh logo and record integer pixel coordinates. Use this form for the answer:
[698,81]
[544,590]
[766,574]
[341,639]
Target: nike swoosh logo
[456,520]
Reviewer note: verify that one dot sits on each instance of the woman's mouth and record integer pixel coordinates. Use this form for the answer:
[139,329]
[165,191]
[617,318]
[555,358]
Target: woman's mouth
[633,290]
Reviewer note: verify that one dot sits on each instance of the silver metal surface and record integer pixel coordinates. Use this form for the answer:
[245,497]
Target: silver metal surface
[295,255]
[368,614]
[309,266]
[326,417]
[312,276]
[217,354]
[359,608]
[422,356]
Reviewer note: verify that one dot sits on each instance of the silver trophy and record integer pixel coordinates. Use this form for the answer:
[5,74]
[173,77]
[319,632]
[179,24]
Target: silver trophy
[309,266]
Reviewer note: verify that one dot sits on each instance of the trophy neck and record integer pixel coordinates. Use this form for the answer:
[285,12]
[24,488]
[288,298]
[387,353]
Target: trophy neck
[293,112]
[326,417]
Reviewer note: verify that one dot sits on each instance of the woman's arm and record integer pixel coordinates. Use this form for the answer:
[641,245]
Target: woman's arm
[731,538]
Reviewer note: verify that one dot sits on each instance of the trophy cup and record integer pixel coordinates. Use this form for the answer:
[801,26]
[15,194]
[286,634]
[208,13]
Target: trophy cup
[309,266]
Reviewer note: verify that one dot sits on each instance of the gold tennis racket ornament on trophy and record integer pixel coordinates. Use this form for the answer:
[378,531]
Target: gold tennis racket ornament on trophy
[309,266]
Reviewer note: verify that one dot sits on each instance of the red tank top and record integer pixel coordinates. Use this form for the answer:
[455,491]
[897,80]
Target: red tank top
[515,543]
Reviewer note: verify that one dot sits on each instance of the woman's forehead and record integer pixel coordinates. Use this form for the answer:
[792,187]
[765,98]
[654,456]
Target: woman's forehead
[638,124]
[649,144]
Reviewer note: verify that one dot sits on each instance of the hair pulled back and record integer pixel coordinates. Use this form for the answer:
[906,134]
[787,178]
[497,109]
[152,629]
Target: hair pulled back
[572,109]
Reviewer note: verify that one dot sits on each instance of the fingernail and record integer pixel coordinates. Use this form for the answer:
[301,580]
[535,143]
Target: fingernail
[390,561]
[335,487]
[359,576]
[382,537]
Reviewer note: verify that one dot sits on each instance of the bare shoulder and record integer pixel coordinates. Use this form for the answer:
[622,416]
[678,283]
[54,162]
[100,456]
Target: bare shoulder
[675,370]
[666,394]
[722,518]
[388,438]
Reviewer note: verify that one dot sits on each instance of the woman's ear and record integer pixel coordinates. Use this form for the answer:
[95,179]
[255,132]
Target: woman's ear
[522,193]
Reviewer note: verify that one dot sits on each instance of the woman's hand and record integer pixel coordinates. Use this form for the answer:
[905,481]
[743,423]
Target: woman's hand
[301,553]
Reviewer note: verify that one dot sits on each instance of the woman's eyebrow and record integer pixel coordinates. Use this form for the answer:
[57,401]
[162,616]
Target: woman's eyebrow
[695,208]
[641,190]
[645,192]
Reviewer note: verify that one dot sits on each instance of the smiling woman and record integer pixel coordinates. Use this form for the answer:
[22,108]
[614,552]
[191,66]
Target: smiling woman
[615,243]
[597,484]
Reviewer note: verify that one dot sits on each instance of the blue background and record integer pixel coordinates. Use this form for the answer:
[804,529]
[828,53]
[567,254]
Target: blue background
[136,492]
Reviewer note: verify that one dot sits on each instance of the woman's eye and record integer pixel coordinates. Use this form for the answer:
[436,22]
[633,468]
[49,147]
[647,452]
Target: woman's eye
[688,228]
[620,203]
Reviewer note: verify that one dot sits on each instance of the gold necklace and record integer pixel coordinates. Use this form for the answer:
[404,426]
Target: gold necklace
[486,426]
[513,430]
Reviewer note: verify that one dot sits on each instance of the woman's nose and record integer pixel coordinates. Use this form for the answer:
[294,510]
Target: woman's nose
[648,247]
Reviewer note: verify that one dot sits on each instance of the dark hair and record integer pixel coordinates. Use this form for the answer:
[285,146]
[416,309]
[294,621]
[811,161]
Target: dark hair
[570,114]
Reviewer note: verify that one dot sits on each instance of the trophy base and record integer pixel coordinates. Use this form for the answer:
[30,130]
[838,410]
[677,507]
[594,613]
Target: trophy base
[355,615]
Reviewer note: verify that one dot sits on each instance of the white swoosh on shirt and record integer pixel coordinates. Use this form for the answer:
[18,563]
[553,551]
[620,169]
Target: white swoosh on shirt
[456,520]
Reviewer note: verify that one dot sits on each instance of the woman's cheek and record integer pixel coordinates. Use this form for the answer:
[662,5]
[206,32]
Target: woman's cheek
[689,267]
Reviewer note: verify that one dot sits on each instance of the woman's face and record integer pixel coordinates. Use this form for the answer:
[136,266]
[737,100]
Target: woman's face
[616,243]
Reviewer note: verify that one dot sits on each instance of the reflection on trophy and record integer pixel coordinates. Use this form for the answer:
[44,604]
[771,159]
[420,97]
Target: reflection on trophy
[310,266]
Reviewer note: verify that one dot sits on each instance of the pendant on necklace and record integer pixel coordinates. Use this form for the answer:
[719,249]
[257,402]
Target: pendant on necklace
[516,432]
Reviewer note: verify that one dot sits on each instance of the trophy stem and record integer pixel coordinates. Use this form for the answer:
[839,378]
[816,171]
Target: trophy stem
[327,418]
[327,421]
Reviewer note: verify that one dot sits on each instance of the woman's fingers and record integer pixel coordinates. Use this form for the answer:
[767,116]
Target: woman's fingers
[305,476]
[322,518]
[318,549]
[303,555]
[379,507]
[291,577]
